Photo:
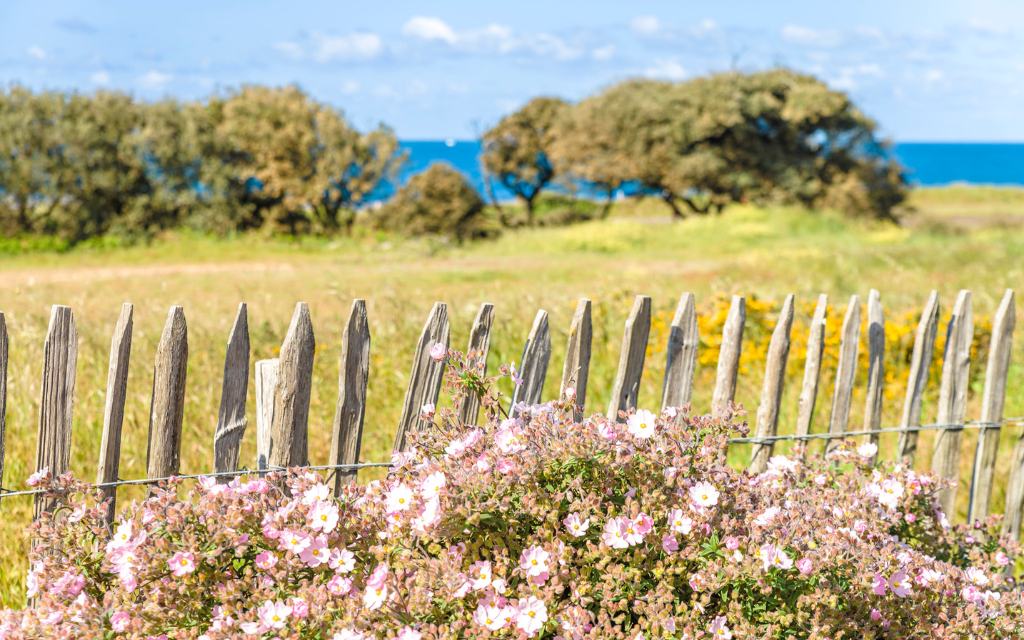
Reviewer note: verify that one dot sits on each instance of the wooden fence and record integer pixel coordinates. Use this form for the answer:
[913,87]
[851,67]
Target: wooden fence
[283,386]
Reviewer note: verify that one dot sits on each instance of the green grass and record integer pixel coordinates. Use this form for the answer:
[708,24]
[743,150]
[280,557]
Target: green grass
[761,253]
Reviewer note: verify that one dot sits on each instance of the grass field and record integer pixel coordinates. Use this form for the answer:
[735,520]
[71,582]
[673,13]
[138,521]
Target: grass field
[955,238]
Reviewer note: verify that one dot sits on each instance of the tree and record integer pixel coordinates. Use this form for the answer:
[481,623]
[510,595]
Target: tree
[438,201]
[516,151]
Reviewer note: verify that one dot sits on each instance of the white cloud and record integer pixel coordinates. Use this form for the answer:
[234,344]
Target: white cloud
[645,25]
[37,52]
[155,79]
[603,53]
[355,46]
[101,78]
[806,37]
[350,87]
[934,75]
[667,69]
[290,49]
[987,29]
[426,28]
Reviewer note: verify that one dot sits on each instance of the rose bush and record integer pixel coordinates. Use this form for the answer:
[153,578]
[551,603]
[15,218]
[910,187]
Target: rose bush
[531,525]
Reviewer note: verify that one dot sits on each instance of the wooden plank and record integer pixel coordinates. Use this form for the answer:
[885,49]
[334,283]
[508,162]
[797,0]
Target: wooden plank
[231,421]
[812,367]
[536,355]
[3,392]
[57,398]
[354,372]
[846,372]
[681,360]
[631,358]
[992,403]
[576,371]
[956,366]
[876,367]
[289,431]
[480,344]
[266,383]
[771,392]
[917,381]
[163,456]
[425,376]
[113,411]
[729,356]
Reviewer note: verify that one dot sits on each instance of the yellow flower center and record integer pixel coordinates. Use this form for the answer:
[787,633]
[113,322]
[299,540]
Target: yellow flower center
[576,526]
[378,592]
[316,552]
[324,517]
[533,562]
[401,501]
[643,425]
[531,614]
[629,530]
[184,562]
[488,621]
[704,497]
[275,618]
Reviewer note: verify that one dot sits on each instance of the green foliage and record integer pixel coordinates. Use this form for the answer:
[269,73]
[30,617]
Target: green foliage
[438,202]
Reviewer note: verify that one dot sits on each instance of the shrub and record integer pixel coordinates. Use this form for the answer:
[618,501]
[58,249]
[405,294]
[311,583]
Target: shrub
[438,202]
[530,526]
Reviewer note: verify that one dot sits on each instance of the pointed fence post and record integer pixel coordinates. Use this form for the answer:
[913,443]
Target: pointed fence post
[992,403]
[681,359]
[347,437]
[956,366]
[266,385]
[168,402]
[576,371]
[231,421]
[536,355]
[426,375]
[57,398]
[812,367]
[846,372]
[479,343]
[113,412]
[729,357]
[289,431]
[771,393]
[631,359]
[876,368]
[917,381]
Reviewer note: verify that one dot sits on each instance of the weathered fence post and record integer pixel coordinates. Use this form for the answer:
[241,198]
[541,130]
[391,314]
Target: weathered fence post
[426,375]
[289,431]
[812,367]
[56,398]
[479,343]
[231,421]
[681,359]
[113,412]
[876,368]
[576,370]
[168,400]
[729,357]
[348,416]
[631,359]
[920,364]
[846,372]
[534,366]
[992,408]
[771,393]
[266,383]
[956,366]
[3,393]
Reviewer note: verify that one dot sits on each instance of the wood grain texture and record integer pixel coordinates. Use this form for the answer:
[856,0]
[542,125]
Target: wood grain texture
[347,436]
[681,359]
[812,367]
[57,398]
[631,358]
[771,392]
[576,371]
[426,375]
[729,356]
[231,420]
[3,393]
[536,355]
[113,411]
[480,344]
[289,431]
[266,384]
[168,401]
[917,380]
[992,403]
[956,366]
[846,373]
[876,367]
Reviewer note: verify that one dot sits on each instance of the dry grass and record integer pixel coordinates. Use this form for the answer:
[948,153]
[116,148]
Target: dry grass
[763,254]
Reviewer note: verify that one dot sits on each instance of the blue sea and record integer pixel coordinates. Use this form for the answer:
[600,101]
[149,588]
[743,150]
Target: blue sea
[927,163]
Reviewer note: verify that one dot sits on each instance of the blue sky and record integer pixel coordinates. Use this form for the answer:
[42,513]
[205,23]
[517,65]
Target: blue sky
[926,71]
